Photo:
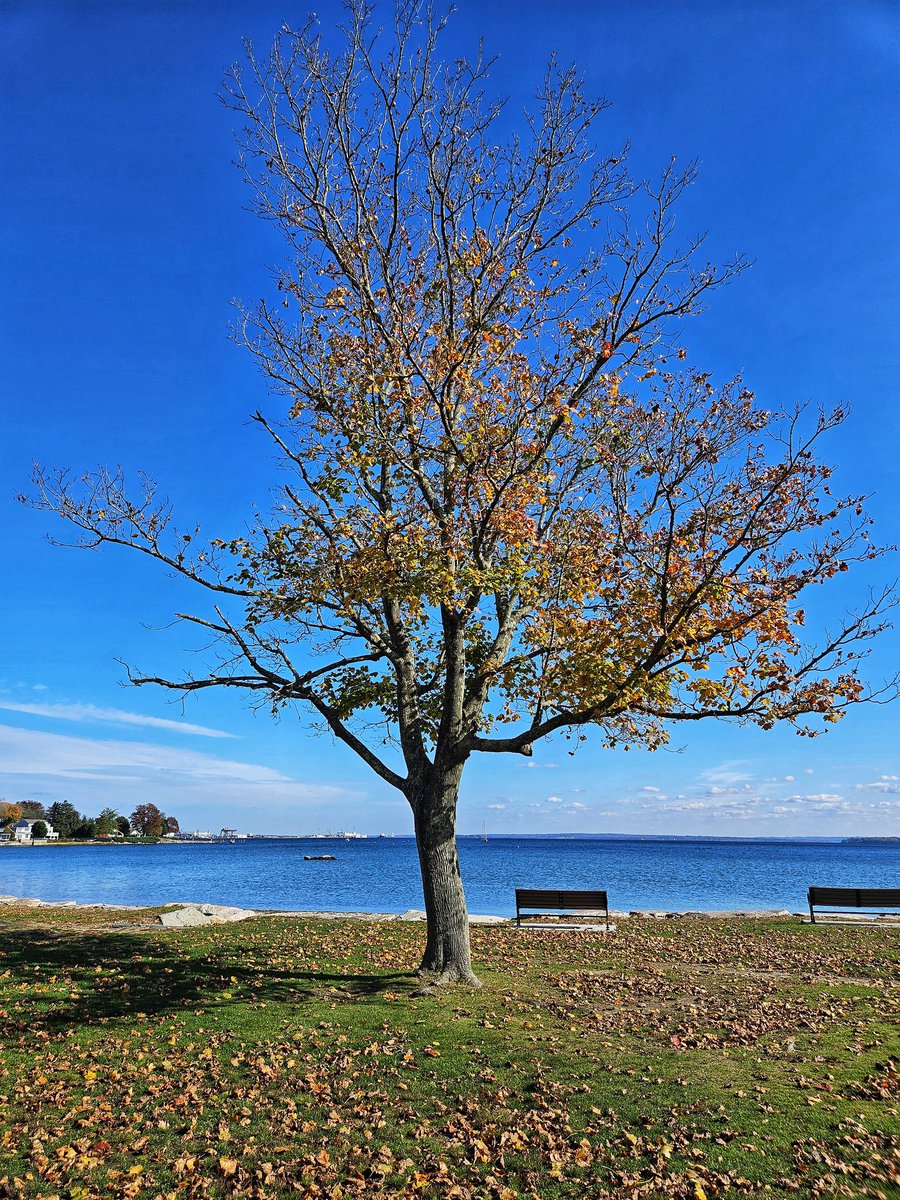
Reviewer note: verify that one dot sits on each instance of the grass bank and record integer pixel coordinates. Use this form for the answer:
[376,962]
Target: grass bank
[283,1057]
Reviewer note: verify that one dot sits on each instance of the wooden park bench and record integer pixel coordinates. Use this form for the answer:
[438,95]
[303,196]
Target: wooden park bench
[851,900]
[532,902]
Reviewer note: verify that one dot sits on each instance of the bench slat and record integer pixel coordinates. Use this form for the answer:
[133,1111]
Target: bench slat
[546,898]
[855,897]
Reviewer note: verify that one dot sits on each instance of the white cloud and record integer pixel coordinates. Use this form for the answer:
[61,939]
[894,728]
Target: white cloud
[92,714]
[820,799]
[760,808]
[554,799]
[788,779]
[498,807]
[649,788]
[885,784]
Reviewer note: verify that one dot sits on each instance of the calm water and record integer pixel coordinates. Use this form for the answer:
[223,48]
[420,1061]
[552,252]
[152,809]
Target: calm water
[382,875]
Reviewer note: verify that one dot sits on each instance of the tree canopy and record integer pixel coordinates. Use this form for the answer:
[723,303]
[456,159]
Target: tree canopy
[511,507]
[9,812]
[148,821]
[64,817]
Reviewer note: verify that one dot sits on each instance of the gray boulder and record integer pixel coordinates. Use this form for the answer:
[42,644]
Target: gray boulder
[203,914]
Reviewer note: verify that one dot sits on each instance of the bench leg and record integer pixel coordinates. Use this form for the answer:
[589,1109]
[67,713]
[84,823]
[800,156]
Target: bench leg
[812,916]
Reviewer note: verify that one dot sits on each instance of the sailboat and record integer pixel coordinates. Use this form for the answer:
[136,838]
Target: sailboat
[484,836]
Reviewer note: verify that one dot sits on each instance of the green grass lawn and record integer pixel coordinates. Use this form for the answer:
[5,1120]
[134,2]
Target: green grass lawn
[281,1057]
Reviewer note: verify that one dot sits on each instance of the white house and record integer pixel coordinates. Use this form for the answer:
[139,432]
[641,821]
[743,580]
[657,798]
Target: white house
[22,830]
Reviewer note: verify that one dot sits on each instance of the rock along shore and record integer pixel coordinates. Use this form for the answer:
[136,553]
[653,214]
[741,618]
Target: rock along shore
[180,914]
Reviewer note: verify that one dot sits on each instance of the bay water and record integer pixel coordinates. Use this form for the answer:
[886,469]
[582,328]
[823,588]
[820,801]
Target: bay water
[382,874]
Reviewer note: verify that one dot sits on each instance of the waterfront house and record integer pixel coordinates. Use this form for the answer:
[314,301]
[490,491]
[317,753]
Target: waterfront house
[22,830]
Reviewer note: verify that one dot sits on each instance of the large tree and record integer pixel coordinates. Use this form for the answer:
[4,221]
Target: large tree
[510,508]
[32,809]
[106,822]
[9,812]
[148,821]
[64,817]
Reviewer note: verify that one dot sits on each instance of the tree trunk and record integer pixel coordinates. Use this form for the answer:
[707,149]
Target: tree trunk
[447,950]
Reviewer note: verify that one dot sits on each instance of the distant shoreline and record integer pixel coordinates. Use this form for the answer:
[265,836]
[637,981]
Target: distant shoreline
[657,838]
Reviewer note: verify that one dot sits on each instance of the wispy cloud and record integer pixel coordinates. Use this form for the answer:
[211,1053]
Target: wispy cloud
[92,714]
[726,773]
[92,772]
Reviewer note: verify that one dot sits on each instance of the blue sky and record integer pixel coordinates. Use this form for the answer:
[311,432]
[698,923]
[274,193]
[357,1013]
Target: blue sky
[125,236]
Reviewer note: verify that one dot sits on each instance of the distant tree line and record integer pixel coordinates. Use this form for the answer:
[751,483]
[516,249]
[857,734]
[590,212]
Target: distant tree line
[147,820]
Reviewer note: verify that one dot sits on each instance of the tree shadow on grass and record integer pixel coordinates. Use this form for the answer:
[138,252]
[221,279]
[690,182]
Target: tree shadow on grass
[52,980]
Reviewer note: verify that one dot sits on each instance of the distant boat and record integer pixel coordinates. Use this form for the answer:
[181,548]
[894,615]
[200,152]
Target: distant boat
[484,836]
[318,857]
